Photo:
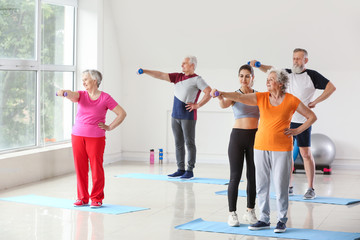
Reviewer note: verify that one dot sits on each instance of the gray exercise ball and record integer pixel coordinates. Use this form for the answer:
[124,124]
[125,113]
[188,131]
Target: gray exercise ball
[323,149]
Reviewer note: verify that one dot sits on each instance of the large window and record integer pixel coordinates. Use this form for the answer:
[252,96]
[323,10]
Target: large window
[18,29]
[18,109]
[37,57]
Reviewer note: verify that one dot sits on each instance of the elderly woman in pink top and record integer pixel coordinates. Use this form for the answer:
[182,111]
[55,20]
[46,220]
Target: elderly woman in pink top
[88,135]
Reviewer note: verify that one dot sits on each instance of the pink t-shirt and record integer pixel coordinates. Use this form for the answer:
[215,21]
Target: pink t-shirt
[90,113]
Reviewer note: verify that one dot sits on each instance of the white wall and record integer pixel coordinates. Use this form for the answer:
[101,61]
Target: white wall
[112,84]
[223,35]
[97,43]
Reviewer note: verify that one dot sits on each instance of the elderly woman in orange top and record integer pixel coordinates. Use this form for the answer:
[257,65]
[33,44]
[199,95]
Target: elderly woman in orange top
[273,143]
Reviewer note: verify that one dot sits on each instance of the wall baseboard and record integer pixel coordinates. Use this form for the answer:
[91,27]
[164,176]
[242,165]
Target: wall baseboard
[31,166]
[223,159]
[346,164]
[111,158]
[170,157]
[20,169]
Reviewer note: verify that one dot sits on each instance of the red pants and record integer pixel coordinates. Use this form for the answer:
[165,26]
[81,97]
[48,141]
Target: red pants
[87,149]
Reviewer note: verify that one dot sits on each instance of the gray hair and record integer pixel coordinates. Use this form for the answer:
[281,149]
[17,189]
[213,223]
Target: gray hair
[281,77]
[192,60]
[95,75]
[301,50]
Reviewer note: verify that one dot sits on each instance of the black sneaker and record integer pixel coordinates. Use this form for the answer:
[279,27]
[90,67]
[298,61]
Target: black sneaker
[187,175]
[177,174]
[280,227]
[259,225]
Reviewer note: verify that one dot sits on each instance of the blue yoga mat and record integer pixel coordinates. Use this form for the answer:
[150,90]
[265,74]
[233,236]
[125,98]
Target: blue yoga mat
[68,204]
[325,200]
[166,178]
[291,233]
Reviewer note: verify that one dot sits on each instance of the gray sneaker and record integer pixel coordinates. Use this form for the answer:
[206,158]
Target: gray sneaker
[291,191]
[310,194]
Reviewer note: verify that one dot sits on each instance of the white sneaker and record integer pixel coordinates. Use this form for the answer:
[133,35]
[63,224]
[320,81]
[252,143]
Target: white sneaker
[250,216]
[233,220]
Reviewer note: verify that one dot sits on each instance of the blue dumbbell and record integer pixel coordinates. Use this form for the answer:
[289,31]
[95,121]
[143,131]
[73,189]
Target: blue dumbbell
[140,71]
[257,64]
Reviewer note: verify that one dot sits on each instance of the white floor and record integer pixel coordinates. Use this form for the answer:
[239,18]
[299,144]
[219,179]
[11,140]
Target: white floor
[170,204]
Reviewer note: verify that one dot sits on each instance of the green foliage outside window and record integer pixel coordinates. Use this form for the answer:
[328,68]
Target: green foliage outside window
[18,96]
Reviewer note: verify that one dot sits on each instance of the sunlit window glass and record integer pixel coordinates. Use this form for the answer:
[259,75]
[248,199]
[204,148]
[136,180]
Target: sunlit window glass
[58,34]
[17,29]
[56,113]
[17,109]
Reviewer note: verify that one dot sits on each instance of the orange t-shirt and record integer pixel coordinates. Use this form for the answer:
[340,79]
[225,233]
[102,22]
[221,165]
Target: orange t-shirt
[273,122]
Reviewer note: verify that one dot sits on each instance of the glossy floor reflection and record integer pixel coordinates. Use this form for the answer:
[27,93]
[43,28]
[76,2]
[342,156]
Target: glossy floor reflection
[170,203]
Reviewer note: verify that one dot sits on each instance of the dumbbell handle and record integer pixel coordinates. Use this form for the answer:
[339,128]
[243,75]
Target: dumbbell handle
[65,94]
[257,64]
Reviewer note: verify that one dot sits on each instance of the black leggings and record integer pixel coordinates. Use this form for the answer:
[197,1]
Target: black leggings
[241,143]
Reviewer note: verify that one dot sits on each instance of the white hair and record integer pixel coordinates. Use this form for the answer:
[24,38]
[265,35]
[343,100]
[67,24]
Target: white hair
[192,60]
[95,75]
[282,77]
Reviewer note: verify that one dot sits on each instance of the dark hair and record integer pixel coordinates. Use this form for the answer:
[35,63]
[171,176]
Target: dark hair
[247,67]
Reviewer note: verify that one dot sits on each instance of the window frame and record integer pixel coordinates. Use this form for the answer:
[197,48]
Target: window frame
[35,65]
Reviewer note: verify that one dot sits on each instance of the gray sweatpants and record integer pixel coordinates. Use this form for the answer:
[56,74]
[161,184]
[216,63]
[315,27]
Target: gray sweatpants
[184,134]
[279,164]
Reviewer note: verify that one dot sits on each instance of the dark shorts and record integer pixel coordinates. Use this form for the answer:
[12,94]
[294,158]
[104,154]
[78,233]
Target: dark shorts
[304,138]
